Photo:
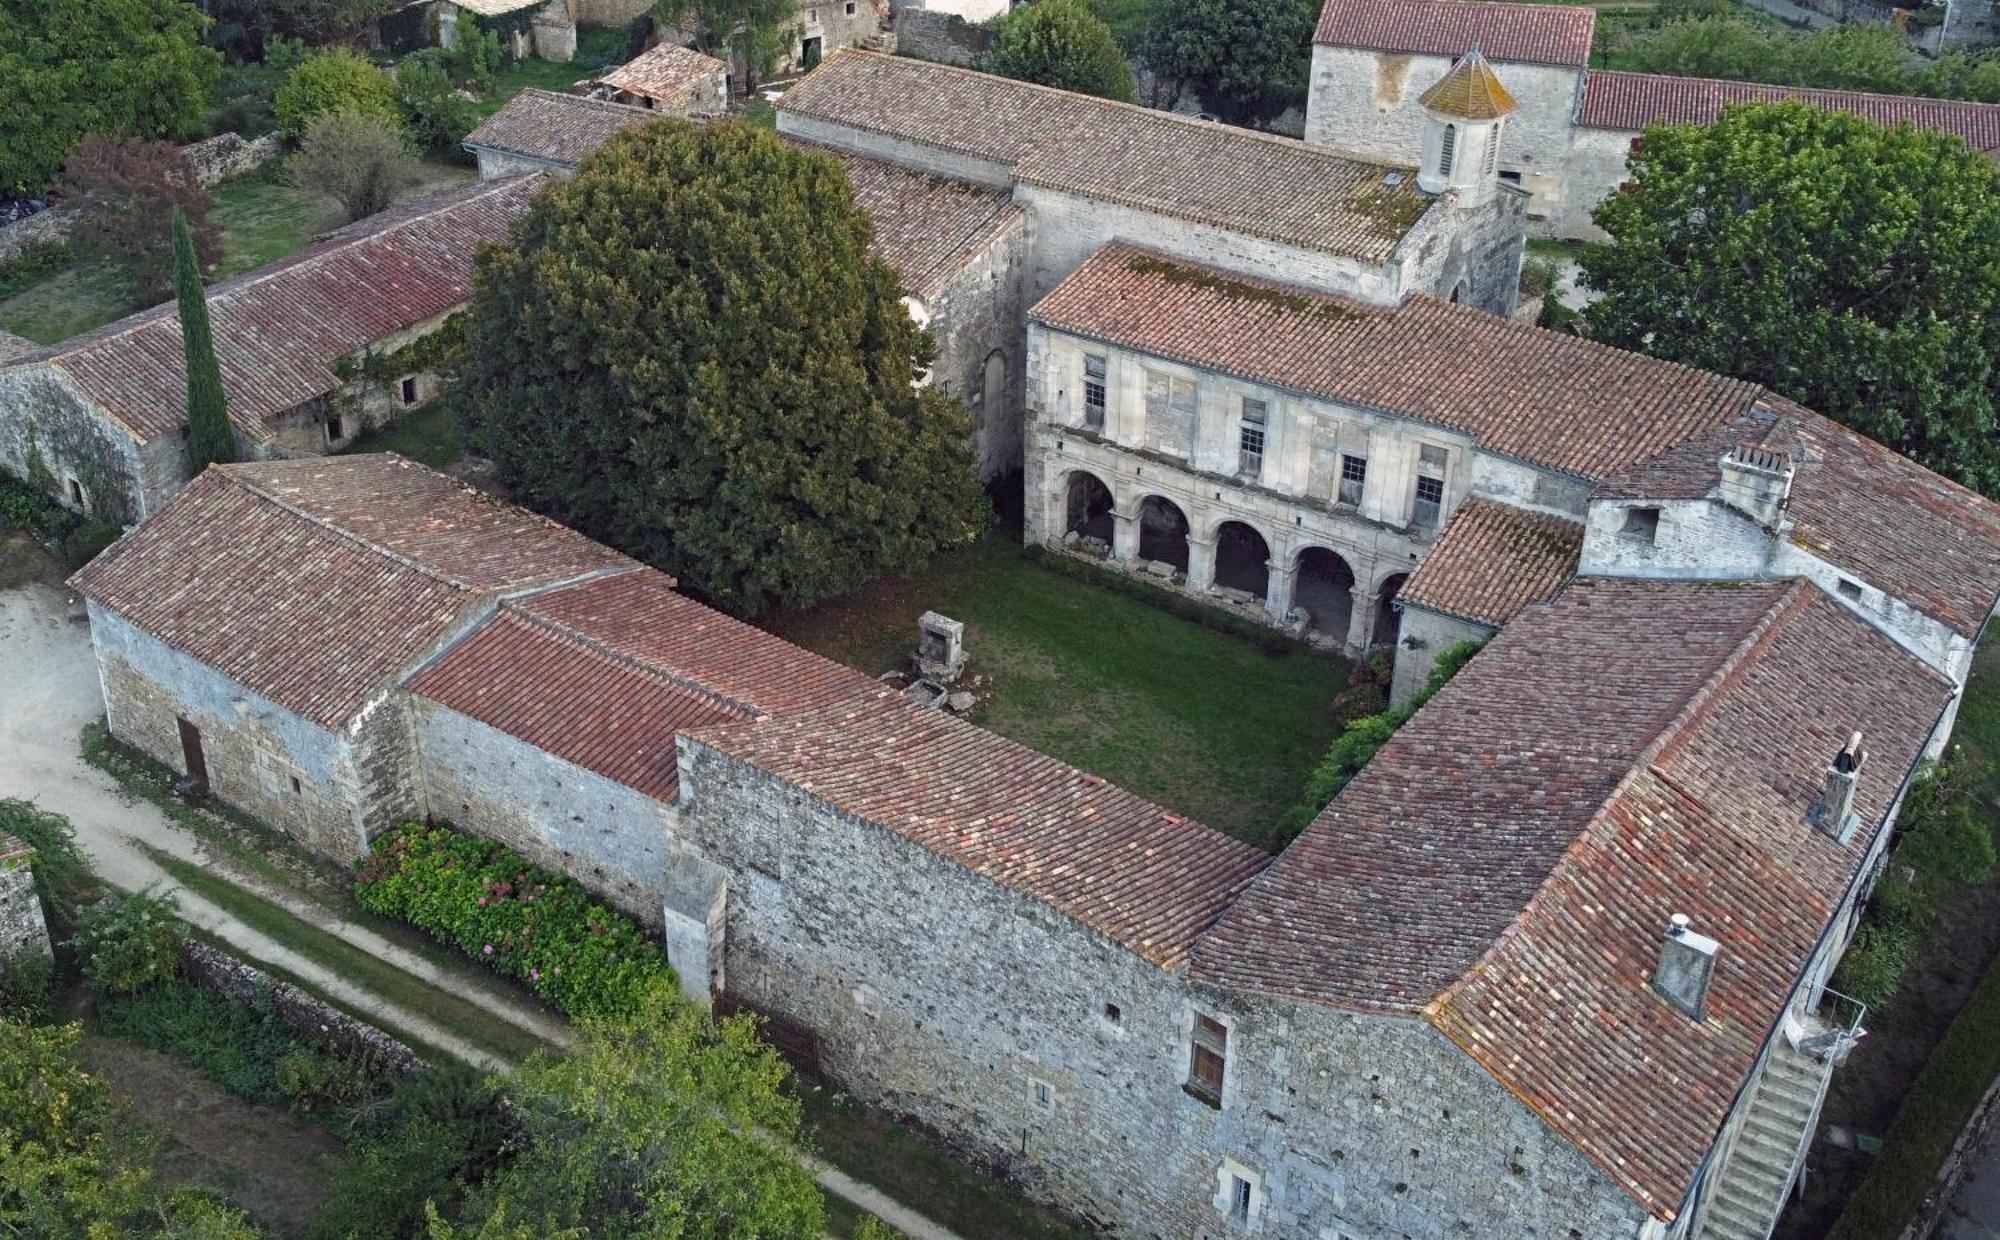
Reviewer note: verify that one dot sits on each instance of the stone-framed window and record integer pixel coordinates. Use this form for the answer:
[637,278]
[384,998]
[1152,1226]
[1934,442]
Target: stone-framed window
[1208,1058]
[1093,391]
[1353,479]
[1250,438]
[1642,526]
[1112,1017]
[1432,462]
[1239,1193]
[1041,1094]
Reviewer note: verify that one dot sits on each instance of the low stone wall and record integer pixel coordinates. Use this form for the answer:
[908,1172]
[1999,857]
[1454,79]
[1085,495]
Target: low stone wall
[943,37]
[298,1011]
[23,933]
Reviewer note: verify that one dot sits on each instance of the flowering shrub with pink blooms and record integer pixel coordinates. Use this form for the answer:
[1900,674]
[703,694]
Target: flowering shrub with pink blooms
[524,921]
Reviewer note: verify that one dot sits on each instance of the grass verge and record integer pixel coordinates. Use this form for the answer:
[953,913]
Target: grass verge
[1206,722]
[429,434]
[465,1020]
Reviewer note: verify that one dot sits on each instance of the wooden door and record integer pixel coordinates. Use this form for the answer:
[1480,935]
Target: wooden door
[197,762]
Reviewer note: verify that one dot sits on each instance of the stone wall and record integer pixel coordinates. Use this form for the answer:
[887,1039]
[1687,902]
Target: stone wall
[318,1022]
[937,34]
[609,12]
[1422,636]
[262,758]
[1594,170]
[611,838]
[23,933]
[947,998]
[836,24]
[1477,259]
[978,317]
[495,163]
[92,468]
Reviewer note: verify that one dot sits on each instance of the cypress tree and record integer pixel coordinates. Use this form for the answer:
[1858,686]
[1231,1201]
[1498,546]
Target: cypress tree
[209,435]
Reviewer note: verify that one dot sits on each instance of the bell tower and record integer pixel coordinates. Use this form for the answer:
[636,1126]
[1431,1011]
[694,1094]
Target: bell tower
[1465,112]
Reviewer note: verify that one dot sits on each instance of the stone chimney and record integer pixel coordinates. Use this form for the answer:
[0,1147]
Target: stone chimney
[1687,962]
[1757,482]
[1834,813]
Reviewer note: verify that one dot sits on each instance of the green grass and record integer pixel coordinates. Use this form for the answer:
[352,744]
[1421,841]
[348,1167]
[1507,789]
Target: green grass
[1967,1059]
[429,434]
[867,1145]
[462,1018]
[596,49]
[1205,722]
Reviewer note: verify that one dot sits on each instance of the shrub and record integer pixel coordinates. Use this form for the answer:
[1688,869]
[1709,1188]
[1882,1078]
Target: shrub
[436,1135]
[1061,43]
[332,83]
[27,988]
[130,943]
[439,115]
[360,160]
[521,920]
[62,876]
[125,191]
[23,507]
[82,544]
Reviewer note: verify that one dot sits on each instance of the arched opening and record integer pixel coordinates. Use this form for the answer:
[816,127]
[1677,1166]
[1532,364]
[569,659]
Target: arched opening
[1325,590]
[1163,532]
[993,388]
[1387,618]
[1089,512]
[1242,559]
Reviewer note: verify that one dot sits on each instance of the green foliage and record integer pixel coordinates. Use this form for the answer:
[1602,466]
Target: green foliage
[27,988]
[476,59]
[116,68]
[1246,60]
[333,82]
[660,1124]
[434,1138]
[1845,57]
[81,545]
[439,115]
[26,507]
[1852,268]
[62,876]
[356,158]
[1128,19]
[527,922]
[756,31]
[688,352]
[66,1167]
[125,189]
[1360,740]
[872,1228]
[210,437]
[130,943]
[247,29]
[1061,43]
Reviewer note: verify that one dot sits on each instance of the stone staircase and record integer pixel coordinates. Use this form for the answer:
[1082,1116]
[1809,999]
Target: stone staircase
[1757,1176]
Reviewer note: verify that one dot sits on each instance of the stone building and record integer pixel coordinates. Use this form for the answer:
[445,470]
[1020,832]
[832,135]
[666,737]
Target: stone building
[671,80]
[24,934]
[542,28]
[542,131]
[1372,61]
[314,350]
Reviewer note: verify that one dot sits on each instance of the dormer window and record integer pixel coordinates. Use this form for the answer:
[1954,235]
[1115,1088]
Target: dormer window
[1642,525]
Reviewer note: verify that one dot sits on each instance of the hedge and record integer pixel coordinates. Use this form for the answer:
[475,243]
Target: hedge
[519,919]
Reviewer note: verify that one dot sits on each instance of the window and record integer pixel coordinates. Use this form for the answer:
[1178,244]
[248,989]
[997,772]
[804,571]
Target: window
[410,390]
[1113,1015]
[1493,148]
[298,789]
[1093,392]
[1353,479]
[1250,440]
[1512,176]
[850,8]
[1170,406]
[1431,461]
[333,428]
[1642,525]
[1850,589]
[1239,1199]
[1041,1094]
[1207,1058]
[1448,151]
[76,496]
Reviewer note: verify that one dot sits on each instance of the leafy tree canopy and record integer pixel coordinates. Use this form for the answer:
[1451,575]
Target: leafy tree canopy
[126,188]
[244,27]
[1061,43]
[1246,60]
[1872,58]
[120,68]
[688,352]
[358,159]
[662,1124]
[758,31]
[336,81]
[1852,268]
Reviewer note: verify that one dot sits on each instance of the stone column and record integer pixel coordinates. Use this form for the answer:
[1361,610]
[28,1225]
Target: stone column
[1201,563]
[1279,582]
[1360,622]
[1124,536]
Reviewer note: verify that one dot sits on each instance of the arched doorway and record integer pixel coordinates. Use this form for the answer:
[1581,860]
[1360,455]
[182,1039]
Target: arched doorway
[1163,532]
[1089,509]
[1325,589]
[993,386]
[1242,559]
[1387,619]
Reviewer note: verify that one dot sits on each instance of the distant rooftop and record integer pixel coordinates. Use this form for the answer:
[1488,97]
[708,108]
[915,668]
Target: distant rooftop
[1622,101]
[1547,34]
[665,72]
[557,128]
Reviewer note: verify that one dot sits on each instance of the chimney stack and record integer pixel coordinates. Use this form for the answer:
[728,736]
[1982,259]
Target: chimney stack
[1687,962]
[1834,814]
[1757,482]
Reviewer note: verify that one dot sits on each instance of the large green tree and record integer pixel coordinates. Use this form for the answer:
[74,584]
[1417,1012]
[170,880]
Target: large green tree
[1061,43]
[1873,58]
[331,83]
[660,1124]
[688,351]
[1852,268]
[210,437]
[118,68]
[1246,60]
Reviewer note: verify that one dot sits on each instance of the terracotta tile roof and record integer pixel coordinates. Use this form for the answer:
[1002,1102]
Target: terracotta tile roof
[559,129]
[1505,865]
[1144,878]
[1543,397]
[1493,560]
[1546,34]
[1471,90]
[665,72]
[1276,188]
[1855,504]
[315,582]
[1632,101]
[280,329]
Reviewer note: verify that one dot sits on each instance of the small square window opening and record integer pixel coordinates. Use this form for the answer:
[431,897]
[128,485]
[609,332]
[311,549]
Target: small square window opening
[850,8]
[1041,1093]
[1850,590]
[298,789]
[1642,525]
[1113,1014]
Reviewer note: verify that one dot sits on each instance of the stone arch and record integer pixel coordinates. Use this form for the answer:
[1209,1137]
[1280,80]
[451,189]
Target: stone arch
[1163,531]
[993,386]
[1387,619]
[1324,587]
[1242,559]
[1088,506]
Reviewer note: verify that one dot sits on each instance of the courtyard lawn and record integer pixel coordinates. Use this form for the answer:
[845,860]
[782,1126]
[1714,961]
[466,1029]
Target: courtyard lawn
[597,49]
[429,435]
[1202,721]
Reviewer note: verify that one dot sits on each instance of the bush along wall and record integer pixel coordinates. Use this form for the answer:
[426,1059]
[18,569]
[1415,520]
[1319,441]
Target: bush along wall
[524,921]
